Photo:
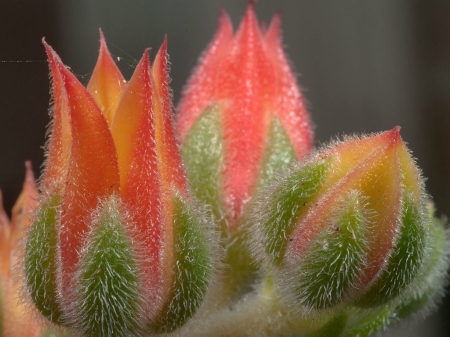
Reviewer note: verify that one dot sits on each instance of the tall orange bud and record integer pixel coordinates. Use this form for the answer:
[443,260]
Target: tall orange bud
[242,119]
[116,247]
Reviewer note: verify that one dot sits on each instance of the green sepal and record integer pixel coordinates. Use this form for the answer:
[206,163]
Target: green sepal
[55,332]
[278,152]
[202,153]
[192,269]
[405,261]
[431,280]
[333,328]
[108,283]
[288,202]
[332,262]
[370,324]
[41,259]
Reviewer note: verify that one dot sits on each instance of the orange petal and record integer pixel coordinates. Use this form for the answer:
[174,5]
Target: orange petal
[107,83]
[287,101]
[133,130]
[59,142]
[247,75]
[202,86]
[171,167]
[92,175]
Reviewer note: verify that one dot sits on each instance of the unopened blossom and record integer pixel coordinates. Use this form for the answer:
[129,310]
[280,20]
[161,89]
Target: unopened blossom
[348,227]
[241,120]
[116,247]
[242,117]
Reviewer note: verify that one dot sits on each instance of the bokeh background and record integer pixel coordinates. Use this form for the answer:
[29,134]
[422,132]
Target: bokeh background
[365,66]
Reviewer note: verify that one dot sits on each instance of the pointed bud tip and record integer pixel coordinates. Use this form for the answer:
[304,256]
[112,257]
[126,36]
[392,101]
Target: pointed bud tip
[394,134]
[145,60]
[102,36]
[250,11]
[273,33]
[29,174]
[224,19]
[28,165]
[275,23]
[163,49]
[48,49]
[397,129]
[103,46]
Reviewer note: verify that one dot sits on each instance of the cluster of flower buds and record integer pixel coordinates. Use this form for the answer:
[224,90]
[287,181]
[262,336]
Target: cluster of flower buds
[239,232]
[116,247]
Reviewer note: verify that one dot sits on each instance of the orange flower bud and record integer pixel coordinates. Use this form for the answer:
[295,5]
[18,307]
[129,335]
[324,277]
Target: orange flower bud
[115,244]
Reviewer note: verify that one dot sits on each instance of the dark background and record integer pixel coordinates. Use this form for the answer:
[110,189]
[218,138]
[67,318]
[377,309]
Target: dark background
[365,66]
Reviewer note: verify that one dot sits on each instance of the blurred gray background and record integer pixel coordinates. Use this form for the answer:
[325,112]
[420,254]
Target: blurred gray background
[364,65]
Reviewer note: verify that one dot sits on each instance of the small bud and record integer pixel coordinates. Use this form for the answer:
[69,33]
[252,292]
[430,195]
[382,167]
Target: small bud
[345,227]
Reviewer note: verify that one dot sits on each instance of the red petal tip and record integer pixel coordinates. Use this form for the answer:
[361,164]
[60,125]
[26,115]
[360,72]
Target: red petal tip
[48,49]
[146,58]
[275,23]
[103,46]
[250,12]
[163,49]
[249,22]
[52,55]
[394,134]
[28,165]
[29,176]
[224,20]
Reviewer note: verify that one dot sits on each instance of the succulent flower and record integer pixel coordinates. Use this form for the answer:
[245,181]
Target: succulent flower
[348,230]
[116,247]
[332,244]
[241,120]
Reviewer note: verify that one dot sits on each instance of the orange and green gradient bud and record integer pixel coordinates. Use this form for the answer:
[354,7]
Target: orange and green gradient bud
[242,117]
[116,244]
[346,227]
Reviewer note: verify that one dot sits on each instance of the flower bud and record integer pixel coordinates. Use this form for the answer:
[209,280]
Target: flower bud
[241,120]
[242,117]
[116,247]
[345,227]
